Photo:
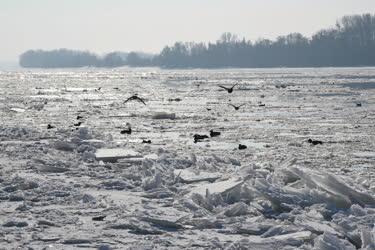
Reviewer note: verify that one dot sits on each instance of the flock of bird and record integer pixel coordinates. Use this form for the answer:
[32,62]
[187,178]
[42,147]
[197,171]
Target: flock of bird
[197,137]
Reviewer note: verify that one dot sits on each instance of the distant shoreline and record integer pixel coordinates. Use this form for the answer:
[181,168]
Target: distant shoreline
[9,65]
[193,68]
[351,43]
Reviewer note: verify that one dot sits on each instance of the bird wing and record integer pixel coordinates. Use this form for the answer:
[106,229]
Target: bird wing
[130,98]
[234,85]
[141,100]
[242,105]
[223,87]
[230,104]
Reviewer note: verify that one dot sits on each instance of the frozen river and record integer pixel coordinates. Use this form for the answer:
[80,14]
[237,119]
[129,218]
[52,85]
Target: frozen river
[281,192]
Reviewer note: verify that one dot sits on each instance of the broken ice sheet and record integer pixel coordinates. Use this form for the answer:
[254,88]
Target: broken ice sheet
[217,187]
[275,207]
[191,175]
[114,154]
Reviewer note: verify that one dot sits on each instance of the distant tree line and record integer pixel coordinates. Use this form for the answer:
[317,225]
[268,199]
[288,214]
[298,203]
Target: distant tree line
[57,59]
[350,43]
[64,58]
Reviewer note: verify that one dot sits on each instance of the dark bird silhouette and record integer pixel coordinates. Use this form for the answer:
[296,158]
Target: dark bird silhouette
[314,142]
[208,109]
[236,107]
[49,126]
[77,124]
[116,88]
[358,104]
[241,147]
[135,98]
[98,218]
[126,131]
[213,133]
[198,138]
[175,99]
[230,90]
[98,89]
[146,141]
[79,117]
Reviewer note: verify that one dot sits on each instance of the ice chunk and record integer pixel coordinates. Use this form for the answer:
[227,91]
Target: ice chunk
[164,115]
[113,154]
[275,242]
[315,227]
[52,169]
[217,187]
[334,186]
[189,176]
[279,230]
[253,228]
[290,238]
[329,241]
[364,154]
[17,110]
[152,182]
[14,223]
[76,241]
[83,133]
[137,227]
[64,146]
[237,209]
[367,238]
[162,222]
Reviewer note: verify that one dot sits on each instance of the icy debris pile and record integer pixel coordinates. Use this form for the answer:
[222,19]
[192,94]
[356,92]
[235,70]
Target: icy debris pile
[287,206]
[18,133]
[81,141]
[36,192]
[263,206]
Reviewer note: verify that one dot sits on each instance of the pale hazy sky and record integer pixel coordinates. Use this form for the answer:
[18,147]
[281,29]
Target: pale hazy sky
[147,25]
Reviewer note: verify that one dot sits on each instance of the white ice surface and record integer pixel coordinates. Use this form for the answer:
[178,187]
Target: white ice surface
[279,193]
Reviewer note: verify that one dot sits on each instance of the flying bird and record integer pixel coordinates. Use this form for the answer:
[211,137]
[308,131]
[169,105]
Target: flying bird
[230,90]
[236,107]
[135,98]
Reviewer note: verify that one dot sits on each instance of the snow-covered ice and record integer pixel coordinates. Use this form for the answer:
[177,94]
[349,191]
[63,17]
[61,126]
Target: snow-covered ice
[69,185]
[114,154]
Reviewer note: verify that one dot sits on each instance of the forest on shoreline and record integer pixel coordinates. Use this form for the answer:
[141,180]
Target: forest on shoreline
[350,43]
